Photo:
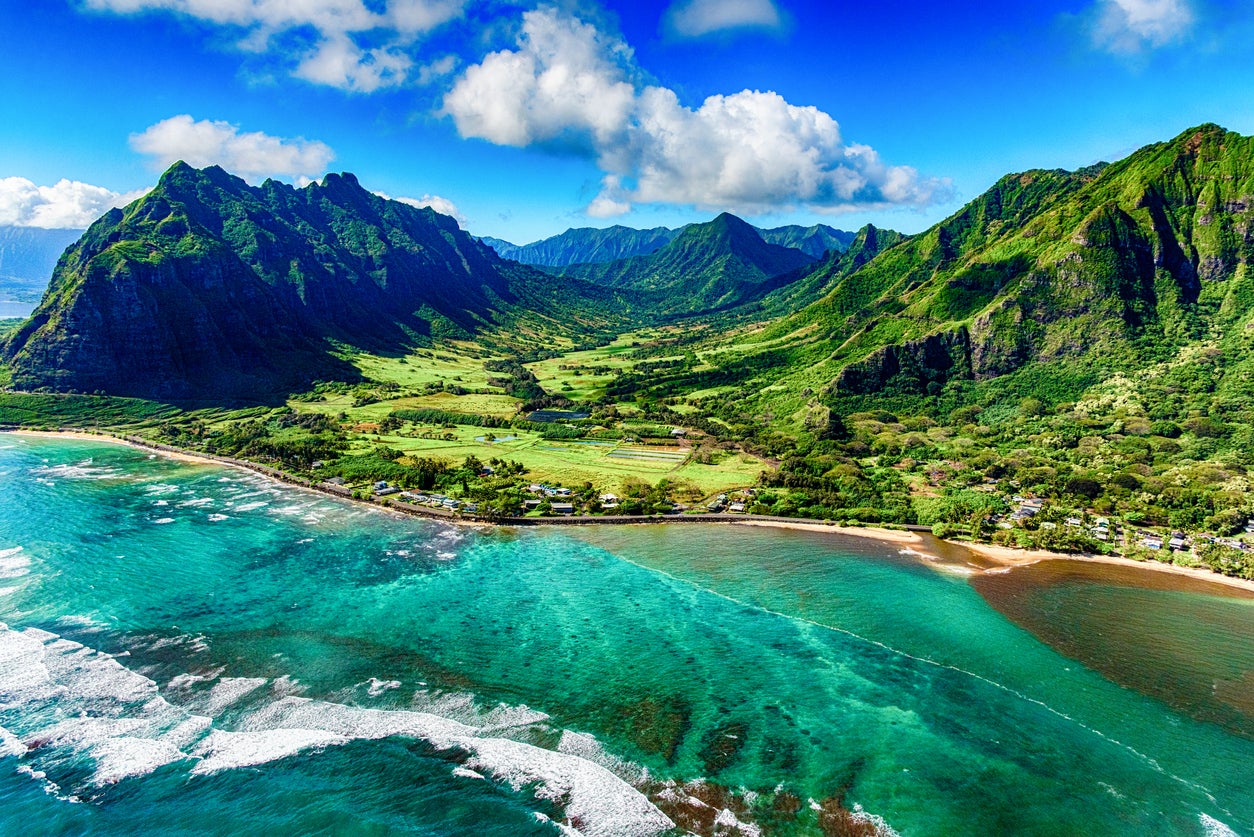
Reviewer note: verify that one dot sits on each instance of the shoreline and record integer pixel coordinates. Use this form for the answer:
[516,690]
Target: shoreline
[1010,557]
[895,536]
[898,536]
[1002,557]
[82,435]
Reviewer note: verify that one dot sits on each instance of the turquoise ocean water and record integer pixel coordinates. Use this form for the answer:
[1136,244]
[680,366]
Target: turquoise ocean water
[191,649]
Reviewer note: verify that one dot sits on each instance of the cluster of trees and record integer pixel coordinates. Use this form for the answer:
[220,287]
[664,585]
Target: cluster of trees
[286,438]
[520,382]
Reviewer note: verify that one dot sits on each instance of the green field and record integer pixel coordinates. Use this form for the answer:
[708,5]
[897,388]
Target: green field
[583,376]
[460,364]
[569,463]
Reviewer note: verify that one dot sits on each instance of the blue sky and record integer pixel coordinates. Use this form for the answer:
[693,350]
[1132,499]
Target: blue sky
[525,119]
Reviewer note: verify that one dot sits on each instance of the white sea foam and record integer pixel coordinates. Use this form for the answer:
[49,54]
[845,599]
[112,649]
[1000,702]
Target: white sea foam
[726,822]
[882,828]
[118,757]
[592,795]
[197,503]
[79,698]
[13,563]
[161,503]
[603,803]
[159,488]
[587,747]
[84,470]
[10,745]
[181,682]
[247,507]
[505,717]
[1212,827]
[377,687]
[76,697]
[228,691]
[223,750]
[446,556]
[218,518]
[285,684]
[161,521]
[467,774]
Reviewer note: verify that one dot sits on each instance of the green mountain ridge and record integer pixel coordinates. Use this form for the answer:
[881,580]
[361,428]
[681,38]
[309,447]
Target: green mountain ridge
[707,268]
[209,288]
[1132,260]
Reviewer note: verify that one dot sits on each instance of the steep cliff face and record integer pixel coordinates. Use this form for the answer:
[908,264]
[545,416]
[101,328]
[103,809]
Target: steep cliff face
[1120,262]
[915,366]
[210,288]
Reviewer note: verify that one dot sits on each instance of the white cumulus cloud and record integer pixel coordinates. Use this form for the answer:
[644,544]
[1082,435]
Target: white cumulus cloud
[339,62]
[695,18]
[567,83]
[67,204]
[1129,26]
[571,88]
[360,46]
[253,156]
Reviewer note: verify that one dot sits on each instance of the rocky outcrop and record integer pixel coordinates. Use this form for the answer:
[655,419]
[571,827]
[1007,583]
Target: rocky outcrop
[916,366]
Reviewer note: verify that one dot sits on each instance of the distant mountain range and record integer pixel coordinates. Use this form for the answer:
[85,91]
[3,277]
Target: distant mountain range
[588,245]
[27,258]
[705,268]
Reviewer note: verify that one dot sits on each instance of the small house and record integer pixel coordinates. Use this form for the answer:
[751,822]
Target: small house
[736,508]
[562,508]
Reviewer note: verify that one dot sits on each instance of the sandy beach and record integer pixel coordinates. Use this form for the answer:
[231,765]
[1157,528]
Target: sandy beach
[890,535]
[1005,556]
[178,456]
